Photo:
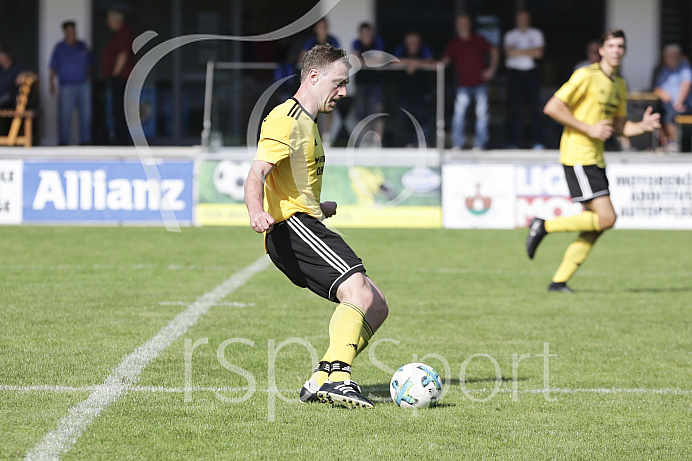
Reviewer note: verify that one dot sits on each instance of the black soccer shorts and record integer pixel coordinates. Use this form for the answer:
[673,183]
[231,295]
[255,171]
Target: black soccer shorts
[311,255]
[586,182]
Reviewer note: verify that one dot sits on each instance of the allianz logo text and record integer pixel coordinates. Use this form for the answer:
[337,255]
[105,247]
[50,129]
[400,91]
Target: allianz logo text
[92,190]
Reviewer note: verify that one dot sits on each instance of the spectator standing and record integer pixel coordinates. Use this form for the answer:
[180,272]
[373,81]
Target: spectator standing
[9,78]
[72,63]
[468,52]
[368,99]
[117,63]
[673,89]
[523,47]
[414,84]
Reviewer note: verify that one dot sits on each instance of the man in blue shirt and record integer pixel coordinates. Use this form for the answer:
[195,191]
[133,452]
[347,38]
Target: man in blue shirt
[72,62]
[673,84]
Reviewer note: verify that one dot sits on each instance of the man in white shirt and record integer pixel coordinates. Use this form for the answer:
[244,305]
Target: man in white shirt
[523,46]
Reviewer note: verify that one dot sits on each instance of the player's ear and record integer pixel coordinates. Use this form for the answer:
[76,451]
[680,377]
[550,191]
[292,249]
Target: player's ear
[313,75]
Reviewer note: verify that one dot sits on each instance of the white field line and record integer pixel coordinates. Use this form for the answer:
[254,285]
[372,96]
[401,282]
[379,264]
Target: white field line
[226,304]
[181,390]
[79,417]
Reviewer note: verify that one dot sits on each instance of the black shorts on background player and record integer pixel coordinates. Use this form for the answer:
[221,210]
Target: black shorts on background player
[586,182]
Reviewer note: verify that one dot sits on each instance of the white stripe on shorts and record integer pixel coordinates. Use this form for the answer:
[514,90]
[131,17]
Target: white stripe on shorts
[318,245]
[583,180]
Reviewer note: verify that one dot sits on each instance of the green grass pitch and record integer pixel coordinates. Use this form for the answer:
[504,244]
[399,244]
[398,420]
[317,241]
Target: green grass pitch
[75,301]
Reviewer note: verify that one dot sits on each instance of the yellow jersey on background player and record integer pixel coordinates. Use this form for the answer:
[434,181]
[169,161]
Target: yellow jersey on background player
[289,139]
[592,96]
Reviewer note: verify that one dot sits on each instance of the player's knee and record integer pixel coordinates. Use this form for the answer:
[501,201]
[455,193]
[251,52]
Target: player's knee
[607,221]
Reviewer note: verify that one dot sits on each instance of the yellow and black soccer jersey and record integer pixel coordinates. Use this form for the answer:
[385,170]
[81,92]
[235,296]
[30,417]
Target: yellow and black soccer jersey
[290,140]
[592,96]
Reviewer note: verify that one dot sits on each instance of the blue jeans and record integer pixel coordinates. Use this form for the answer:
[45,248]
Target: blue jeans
[75,96]
[464,94]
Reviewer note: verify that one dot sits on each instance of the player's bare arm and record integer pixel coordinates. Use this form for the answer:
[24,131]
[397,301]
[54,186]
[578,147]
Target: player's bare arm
[260,220]
[650,121]
[562,114]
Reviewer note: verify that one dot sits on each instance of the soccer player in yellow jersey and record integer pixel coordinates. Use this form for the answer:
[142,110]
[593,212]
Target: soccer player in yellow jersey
[282,194]
[591,106]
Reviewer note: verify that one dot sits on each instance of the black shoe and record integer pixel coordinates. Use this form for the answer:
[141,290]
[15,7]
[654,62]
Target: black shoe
[308,394]
[559,286]
[536,234]
[345,393]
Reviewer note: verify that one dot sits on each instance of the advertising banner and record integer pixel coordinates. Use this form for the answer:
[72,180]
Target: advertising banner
[11,191]
[651,196]
[106,191]
[541,191]
[387,196]
[221,201]
[478,196]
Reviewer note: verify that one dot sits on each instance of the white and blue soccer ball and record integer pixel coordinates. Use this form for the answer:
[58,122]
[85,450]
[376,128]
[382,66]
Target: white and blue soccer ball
[415,385]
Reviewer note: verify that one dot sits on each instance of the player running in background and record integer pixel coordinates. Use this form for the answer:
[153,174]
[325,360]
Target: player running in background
[591,106]
[282,194]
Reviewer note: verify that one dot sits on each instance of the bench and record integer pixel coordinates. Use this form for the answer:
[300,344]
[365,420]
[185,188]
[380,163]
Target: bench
[20,115]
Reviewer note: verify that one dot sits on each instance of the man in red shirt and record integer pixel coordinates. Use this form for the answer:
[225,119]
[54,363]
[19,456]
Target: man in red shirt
[117,63]
[468,52]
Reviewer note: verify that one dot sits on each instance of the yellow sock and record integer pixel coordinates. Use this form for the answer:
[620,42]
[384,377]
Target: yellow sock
[586,221]
[344,335]
[321,373]
[365,335]
[575,254]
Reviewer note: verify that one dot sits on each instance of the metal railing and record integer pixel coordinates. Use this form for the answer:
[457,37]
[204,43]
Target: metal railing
[438,68]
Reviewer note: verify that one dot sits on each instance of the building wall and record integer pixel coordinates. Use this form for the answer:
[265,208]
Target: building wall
[640,21]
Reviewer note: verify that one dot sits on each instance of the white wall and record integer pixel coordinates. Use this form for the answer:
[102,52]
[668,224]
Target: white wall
[52,13]
[640,20]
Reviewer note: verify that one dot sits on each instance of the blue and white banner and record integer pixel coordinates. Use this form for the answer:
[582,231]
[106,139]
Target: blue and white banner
[106,191]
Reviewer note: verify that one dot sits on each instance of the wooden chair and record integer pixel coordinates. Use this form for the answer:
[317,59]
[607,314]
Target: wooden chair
[18,115]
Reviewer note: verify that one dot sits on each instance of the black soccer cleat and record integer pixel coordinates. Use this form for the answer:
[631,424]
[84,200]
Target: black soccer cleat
[345,393]
[560,286]
[308,394]
[536,234]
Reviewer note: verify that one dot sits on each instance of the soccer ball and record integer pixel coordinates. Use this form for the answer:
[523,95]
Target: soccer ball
[415,385]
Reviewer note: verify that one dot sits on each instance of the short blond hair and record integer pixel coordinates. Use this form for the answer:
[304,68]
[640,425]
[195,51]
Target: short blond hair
[321,57]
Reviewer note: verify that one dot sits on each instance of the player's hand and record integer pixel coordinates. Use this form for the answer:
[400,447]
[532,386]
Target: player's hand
[651,120]
[328,208]
[601,130]
[262,222]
